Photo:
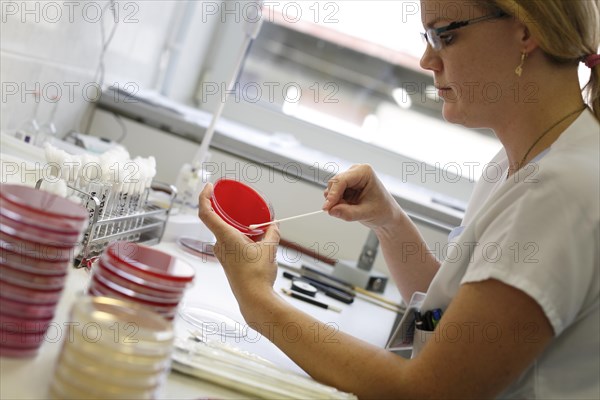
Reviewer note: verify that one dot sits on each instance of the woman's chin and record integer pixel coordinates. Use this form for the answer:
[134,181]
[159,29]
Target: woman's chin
[451,114]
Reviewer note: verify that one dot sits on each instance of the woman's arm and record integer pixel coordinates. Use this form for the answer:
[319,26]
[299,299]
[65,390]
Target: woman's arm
[490,333]
[358,195]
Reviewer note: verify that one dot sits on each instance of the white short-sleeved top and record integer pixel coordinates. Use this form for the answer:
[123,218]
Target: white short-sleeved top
[538,231]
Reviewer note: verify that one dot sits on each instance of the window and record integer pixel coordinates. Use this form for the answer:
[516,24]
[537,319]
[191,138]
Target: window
[352,67]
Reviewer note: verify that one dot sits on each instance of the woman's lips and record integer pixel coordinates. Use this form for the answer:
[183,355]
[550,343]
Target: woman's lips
[443,90]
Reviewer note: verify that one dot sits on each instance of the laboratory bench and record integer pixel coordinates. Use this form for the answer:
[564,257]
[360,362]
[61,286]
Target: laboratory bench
[30,378]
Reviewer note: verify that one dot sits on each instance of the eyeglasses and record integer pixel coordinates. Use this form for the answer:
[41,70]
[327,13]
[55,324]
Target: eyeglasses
[436,40]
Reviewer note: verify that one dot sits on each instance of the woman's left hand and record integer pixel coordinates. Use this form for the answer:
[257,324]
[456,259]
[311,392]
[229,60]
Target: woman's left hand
[251,268]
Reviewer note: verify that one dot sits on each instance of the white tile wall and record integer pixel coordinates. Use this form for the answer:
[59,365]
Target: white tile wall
[55,46]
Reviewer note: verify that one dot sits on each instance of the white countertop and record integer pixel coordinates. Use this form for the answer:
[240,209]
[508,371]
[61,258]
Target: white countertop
[29,378]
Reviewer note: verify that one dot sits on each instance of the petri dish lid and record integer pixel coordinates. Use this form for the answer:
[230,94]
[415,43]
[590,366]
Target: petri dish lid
[196,247]
[151,261]
[211,321]
[41,202]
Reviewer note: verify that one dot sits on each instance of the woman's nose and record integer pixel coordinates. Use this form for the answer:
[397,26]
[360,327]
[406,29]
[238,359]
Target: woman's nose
[431,60]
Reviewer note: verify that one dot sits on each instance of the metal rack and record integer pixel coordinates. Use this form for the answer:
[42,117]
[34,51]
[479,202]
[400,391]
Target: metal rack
[145,225]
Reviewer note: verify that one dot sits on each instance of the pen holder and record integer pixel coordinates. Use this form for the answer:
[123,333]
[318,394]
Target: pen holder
[420,338]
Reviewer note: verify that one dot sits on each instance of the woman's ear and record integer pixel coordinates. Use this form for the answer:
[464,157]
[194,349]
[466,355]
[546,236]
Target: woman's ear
[527,42]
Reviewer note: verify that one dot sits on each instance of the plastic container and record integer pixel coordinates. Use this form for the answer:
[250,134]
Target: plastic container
[241,206]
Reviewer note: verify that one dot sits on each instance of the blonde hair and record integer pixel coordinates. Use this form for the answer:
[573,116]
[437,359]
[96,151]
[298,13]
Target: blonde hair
[567,31]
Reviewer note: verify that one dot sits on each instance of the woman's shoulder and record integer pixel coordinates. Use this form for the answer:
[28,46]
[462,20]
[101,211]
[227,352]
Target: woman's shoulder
[572,166]
[580,142]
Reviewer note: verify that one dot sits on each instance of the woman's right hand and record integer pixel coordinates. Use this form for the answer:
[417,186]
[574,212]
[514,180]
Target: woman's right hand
[358,195]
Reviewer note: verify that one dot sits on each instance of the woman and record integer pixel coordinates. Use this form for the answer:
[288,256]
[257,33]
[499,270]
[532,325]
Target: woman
[539,290]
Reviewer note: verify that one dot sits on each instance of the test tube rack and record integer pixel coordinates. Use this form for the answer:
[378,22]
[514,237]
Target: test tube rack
[109,223]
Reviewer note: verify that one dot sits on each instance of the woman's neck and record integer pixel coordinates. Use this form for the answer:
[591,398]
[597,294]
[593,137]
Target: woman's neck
[534,126]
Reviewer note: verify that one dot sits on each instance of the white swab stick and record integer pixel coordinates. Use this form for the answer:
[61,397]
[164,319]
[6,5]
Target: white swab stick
[254,226]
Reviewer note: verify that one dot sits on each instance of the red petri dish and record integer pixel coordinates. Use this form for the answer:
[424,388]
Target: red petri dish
[34,204]
[126,288]
[32,265]
[139,286]
[21,339]
[137,277]
[38,234]
[241,206]
[7,351]
[27,295]
[16,308]
[150,264]
[31,280]
[12,323]
[38,222]
[32,249]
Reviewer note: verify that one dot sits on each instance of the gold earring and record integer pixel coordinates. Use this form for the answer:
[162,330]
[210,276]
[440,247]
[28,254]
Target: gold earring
[519,69]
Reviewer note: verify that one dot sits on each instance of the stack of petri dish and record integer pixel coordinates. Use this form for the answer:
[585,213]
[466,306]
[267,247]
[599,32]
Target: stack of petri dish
[140,274]
[39,236]
[115,350]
